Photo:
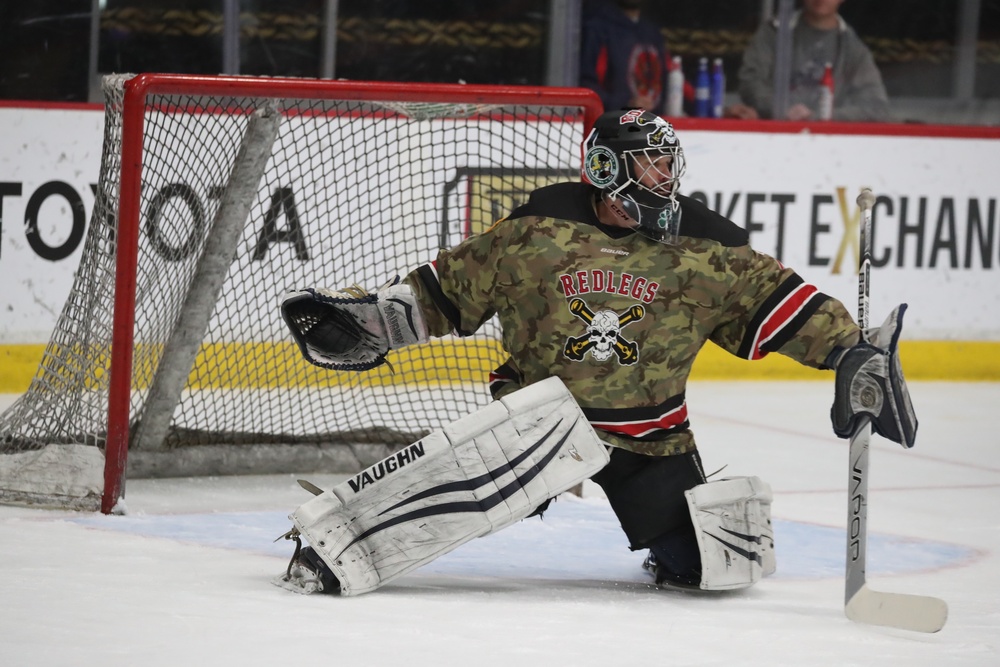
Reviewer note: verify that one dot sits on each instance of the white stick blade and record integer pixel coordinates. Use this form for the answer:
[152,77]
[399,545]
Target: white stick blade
[897,610]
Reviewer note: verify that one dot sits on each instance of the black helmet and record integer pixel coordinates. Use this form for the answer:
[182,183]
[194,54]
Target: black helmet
[609,163]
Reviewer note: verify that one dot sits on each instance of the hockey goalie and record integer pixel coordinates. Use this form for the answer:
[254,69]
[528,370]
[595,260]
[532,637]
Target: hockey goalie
[605,291]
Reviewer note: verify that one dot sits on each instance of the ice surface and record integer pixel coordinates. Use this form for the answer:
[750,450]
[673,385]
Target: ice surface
[182,579]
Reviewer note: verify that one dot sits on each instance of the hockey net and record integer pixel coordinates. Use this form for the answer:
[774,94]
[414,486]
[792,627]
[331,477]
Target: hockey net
[215,196]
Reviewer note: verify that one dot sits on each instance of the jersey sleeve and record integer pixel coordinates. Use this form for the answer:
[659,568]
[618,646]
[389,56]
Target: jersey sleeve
[455,290]
[775,310]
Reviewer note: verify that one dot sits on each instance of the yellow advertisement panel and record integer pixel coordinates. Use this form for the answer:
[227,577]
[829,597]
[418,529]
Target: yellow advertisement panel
[492,197]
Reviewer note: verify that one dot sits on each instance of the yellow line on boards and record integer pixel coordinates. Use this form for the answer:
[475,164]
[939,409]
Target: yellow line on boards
[270,365]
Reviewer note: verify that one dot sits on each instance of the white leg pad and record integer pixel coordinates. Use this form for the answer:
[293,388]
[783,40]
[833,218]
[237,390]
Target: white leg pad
[732,520]
[473,477]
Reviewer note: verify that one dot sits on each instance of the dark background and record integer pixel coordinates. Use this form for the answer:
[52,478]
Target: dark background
[45,44]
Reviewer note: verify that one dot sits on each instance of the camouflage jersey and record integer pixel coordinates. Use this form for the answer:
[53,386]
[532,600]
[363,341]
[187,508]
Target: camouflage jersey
[618,317]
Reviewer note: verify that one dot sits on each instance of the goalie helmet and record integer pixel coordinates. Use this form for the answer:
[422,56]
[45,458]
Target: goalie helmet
[635,159]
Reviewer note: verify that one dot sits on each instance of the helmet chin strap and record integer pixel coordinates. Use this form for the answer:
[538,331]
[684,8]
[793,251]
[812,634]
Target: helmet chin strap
[611,201]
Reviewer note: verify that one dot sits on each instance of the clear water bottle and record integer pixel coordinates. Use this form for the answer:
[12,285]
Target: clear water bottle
[826,94]
[702,91]
[718,88]
[675,88]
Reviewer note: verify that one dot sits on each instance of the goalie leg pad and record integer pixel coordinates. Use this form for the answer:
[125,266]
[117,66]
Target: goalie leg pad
[471,478]
[732,520]
[870,383]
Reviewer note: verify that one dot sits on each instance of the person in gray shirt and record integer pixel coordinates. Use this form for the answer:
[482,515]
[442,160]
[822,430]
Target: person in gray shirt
[819,36]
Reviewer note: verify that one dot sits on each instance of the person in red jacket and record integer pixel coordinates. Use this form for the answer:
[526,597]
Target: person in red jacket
[623,57]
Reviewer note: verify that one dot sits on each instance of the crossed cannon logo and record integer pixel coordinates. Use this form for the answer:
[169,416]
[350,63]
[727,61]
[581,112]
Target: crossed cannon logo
[663,135]
[603,337]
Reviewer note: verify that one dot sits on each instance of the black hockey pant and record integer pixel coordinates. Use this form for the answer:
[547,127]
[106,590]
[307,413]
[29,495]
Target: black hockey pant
[647,495]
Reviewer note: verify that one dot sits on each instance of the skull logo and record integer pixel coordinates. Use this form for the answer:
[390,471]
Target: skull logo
[603,332]
[603,336]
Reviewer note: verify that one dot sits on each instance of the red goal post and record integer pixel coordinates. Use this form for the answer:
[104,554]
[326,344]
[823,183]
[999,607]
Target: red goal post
[312,183]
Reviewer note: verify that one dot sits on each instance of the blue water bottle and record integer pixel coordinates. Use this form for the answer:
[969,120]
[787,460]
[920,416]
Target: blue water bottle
[702,91]
[718,88]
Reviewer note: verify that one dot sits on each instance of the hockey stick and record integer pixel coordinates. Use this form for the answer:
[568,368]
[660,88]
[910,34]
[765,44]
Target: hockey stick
[862,604]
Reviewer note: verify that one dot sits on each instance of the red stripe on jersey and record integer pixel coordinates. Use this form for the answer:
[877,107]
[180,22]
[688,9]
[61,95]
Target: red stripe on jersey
[785,311]
[638,429]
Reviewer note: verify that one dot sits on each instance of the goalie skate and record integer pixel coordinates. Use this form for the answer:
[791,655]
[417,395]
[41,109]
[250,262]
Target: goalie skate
[306,572]
[652,567]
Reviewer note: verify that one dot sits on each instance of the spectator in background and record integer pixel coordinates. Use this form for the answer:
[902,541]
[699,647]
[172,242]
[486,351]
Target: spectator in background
[623,57]
[819,36]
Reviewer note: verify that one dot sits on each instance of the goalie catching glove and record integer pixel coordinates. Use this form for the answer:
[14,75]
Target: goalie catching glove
[870,383]
[353,330]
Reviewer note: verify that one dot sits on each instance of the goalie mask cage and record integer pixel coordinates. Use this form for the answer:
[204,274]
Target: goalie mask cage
[218,194]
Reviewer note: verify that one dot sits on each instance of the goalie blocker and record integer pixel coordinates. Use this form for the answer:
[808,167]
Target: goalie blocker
[471,478]
[869,383]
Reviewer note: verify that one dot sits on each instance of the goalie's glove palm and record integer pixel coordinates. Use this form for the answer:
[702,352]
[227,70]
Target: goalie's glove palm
[352,329]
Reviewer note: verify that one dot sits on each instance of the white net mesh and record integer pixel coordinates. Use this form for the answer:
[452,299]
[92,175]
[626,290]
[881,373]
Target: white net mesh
[353,192]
